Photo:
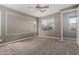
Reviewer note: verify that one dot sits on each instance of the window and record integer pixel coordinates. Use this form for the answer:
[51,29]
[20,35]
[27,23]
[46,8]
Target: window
[72,23]
[48,24]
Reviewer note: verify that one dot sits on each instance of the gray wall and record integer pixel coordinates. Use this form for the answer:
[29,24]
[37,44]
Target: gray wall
[13,25]
[57,31]
[19,24]
[52,33]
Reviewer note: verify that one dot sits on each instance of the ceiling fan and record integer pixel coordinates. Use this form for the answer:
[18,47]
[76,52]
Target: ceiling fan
[41,8]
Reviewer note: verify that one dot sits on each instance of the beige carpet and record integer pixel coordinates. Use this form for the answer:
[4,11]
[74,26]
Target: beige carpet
[41,46]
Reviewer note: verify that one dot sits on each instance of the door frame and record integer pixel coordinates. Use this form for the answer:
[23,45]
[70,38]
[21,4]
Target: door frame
[62,12]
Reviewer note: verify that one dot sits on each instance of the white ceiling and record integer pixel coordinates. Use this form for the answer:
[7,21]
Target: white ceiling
[25,8]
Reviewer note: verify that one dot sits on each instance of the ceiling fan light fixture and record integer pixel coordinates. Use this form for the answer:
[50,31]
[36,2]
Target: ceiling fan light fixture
[43,10]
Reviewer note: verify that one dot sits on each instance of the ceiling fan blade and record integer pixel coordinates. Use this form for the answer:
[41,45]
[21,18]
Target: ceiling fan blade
[38,6]
[45,7]
[42,11]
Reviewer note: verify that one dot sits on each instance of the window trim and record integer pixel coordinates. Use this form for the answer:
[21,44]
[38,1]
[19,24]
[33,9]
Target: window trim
[53,28]
[69,23]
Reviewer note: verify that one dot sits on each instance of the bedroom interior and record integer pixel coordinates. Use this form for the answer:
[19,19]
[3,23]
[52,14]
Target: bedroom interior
[39,29]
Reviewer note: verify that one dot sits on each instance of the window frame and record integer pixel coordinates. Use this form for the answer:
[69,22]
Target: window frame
[53,26]
[69,23]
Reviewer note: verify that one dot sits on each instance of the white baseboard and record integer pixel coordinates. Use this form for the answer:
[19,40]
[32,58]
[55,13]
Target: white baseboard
[69,38]
[17,40]
[48,37]
[35,36]
[58,38]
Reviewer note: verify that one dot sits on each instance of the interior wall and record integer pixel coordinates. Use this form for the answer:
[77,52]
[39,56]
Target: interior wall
[18,24]
[11,26]
[6,38]
[57,31]
[51,33]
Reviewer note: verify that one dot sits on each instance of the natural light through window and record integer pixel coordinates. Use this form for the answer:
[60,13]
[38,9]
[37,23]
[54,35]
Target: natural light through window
[72,23]
[48,24]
